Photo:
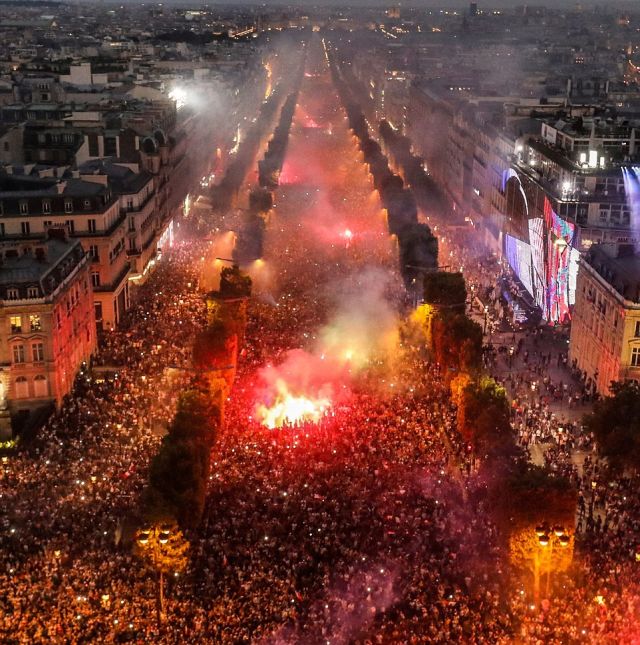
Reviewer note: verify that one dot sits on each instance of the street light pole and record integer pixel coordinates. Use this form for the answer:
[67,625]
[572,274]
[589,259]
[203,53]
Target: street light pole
[153,542]
[546,538]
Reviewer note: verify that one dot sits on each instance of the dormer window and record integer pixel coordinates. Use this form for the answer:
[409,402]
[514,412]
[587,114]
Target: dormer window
[12,294]
[46,206]
[87,204]
[32,292]
[68,206]
[24,207]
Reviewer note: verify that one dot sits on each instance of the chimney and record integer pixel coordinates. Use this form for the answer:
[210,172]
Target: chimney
[61,185]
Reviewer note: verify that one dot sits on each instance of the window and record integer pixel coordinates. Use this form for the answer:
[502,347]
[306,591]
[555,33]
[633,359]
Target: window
[22,388]
[87,204]
[12,294]
[26,228]
[129,204]
[637,331]
[6,146]
[92,225]
[35,324]
[68,206]
[95,279]
[93,252]
[32,292]
[635,357]
[40,385]
[16,324]
[18,354]
[67,138]
[110,147]
[71,226]
[1,229]
[24,207]
[37,352]
[46,206]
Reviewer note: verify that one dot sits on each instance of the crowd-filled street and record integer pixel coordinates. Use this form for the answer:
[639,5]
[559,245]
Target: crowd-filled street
[358,525]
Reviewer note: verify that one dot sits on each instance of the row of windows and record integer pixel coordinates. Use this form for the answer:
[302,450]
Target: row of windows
[40,387]
[46,206]
[25,227]
[71,301]
[37,353]
[614,213]
[55,138]
[14,294]
[17,323]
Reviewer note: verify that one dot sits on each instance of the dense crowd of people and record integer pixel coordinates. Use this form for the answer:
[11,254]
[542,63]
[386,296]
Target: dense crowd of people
[361,528]
[65,500]
[599,601]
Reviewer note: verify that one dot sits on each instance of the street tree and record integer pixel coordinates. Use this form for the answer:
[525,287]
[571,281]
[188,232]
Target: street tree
[615,422]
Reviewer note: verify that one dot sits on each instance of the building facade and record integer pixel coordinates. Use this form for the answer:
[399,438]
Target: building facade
[47,325]
[605,328]
[88,210]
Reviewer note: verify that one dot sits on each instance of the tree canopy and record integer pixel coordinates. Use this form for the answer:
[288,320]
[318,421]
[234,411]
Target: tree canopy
[483,416]
[615,422]
[445,289]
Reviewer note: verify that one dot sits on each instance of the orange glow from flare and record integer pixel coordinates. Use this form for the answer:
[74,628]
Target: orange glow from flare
[289,409]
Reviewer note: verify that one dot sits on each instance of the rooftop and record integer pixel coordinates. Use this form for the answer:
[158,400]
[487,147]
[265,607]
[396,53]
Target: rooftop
[618,266]
[52,261]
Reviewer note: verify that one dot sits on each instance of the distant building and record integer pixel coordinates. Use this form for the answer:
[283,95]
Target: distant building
[569,188]
[605,330]
[47,326]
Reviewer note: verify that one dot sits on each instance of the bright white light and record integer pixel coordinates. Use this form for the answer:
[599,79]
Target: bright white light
[179,95]
[566,186]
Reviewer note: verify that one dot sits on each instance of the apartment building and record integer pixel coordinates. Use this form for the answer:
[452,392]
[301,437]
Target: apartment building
[605,328]
[47,326]
[90,211]
[138,199]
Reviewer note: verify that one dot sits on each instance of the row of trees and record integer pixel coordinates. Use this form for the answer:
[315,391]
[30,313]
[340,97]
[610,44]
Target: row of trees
[179,472]
[530,505]
[222,195]
[418,247]
[523,499]
[426,191]
[269,168]
[250,241]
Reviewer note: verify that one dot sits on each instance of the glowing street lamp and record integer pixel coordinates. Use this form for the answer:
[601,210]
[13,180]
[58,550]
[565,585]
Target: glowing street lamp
[164,549]
[548,537]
